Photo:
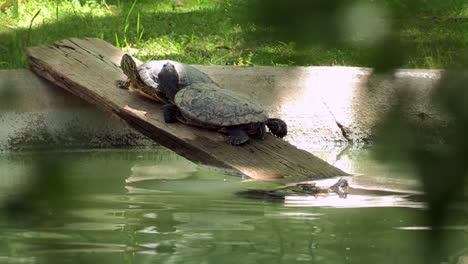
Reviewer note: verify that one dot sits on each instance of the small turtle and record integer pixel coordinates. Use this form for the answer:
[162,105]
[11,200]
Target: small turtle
[209,106]
[144,79]
[299,189]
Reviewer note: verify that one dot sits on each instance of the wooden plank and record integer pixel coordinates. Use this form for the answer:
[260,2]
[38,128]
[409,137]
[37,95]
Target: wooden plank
[89,68]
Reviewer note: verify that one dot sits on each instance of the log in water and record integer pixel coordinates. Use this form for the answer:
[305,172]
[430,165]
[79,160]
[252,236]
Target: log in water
[88,68]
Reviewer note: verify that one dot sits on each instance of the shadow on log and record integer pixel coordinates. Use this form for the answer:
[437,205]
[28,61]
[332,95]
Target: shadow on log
[88,68]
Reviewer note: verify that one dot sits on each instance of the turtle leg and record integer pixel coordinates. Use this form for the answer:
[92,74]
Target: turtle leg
[237,136]
[170,112]
[123,84]
[277,127]
[261,131]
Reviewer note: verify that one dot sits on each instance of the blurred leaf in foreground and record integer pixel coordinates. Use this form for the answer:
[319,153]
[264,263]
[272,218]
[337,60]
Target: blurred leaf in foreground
[442,168]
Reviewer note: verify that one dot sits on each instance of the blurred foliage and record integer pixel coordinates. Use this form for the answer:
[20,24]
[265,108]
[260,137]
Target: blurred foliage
[48,193]
[387,33]
[442,168]
[304,22]
[9,96]
[384,32]
[379,26]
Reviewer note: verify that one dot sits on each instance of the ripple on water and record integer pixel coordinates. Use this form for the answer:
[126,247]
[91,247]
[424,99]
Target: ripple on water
[199,219]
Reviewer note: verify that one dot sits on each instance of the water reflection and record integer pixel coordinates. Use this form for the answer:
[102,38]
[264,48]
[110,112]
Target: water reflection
[198,218]
[354,201]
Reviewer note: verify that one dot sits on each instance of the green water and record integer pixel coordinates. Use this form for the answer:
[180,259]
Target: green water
[152,206]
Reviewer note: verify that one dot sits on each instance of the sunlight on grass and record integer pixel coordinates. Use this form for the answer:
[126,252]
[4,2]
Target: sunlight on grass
[52,12]
[161,46]
[208,32]
[43,22]
[185,6]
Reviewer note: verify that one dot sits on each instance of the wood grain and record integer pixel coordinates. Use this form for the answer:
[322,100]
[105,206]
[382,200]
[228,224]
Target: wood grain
[89,68]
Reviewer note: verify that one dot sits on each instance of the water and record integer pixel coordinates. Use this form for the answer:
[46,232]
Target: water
[152,206]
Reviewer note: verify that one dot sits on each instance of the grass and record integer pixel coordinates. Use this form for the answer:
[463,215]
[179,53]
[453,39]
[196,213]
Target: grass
[208,32]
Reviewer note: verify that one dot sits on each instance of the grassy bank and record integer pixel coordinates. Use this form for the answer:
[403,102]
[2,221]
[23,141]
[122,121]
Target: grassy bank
[208,32]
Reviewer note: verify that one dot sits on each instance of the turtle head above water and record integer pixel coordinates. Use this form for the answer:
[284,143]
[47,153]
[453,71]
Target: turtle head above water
[128,66]
[169,80]
[341,187]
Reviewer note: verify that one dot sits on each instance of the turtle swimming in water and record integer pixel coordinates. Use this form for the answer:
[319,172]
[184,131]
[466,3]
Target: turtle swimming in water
[144,79]
[299,189]
[206,105]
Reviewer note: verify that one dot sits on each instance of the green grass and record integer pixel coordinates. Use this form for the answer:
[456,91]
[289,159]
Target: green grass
[209,32]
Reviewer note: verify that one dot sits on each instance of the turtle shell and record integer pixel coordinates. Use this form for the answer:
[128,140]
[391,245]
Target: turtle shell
[187,74]
[214,106]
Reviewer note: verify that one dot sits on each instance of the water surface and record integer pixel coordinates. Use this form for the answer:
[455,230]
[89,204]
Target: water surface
[152,206]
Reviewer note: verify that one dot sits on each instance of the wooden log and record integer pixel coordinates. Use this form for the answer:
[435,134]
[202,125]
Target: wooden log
[89,68]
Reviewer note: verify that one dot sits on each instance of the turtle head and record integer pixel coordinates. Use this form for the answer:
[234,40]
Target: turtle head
[169,81]
[340,188]
[128,66]
[277,127]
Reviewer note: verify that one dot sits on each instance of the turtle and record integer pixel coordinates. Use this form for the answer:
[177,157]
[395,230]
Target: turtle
[144,79]
[298,189]
[206,105]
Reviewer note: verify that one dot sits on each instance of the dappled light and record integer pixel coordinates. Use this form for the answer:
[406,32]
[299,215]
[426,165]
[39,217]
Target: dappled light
[229,32]
[183,6]
[335,87]
[353,201]
[52,12]
[317,99]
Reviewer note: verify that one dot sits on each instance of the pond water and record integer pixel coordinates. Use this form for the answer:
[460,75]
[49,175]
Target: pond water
[152,206]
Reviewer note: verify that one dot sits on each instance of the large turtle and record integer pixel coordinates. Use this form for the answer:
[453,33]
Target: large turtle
[144,79]
[209,106]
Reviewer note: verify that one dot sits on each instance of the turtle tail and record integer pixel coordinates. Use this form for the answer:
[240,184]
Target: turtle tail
[277,127]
